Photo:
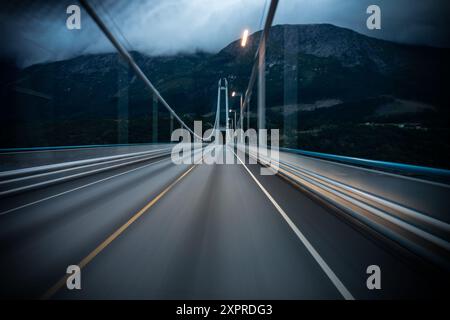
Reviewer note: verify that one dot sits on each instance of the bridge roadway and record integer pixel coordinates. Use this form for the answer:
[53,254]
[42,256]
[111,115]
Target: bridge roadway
[155,230]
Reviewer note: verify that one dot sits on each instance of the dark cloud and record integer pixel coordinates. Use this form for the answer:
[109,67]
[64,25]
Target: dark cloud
[34,31]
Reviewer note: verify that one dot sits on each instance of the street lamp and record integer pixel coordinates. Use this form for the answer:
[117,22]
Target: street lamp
[244,38]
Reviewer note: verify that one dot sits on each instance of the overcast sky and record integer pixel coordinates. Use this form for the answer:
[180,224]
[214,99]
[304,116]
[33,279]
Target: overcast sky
[35,31]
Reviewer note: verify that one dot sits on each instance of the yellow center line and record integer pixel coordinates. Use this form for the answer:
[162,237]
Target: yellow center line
[113,236]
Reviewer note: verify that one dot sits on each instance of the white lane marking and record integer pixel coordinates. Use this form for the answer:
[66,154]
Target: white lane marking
[331,275]
[78,188]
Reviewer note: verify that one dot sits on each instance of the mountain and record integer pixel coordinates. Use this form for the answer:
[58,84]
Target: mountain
[331,80]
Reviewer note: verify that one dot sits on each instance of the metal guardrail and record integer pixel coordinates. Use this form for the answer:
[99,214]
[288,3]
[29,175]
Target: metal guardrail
[88,146]
[384,165]
[32,177]
[414,230]
[17,173]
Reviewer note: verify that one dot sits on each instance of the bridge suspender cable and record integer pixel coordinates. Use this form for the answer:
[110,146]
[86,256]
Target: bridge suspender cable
[262,42]
[129,59]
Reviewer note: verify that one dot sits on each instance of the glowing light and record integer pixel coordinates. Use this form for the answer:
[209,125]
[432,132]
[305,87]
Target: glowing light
[244,38]
[233,94]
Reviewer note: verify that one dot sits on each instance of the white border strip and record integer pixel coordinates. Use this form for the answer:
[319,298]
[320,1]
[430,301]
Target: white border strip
[331,275]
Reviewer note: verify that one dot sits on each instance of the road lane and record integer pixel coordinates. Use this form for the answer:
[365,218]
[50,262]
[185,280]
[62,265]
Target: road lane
[214,236]
[37,243]
[322,263]
[349,247]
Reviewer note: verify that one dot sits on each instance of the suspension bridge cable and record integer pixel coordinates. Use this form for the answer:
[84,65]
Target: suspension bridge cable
[130,48]
[262,41]
[261,21]
[139,73]
[116,26]
[263,15]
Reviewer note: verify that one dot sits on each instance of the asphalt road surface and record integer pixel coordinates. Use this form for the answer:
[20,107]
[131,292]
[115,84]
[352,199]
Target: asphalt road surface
[156,230]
